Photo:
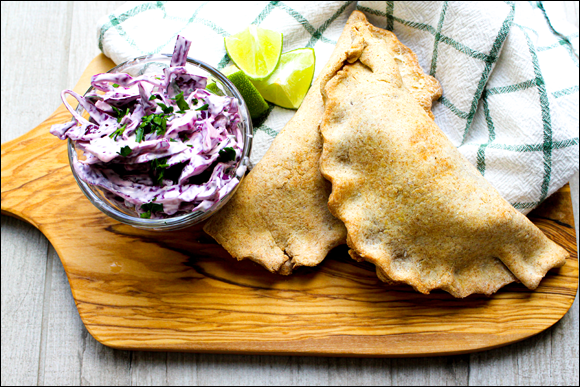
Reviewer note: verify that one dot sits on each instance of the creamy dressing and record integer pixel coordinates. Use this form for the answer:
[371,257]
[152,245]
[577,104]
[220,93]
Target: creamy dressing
[160,145]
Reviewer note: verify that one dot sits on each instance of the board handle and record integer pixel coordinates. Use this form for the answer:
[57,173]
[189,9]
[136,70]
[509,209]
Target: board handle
[28,160]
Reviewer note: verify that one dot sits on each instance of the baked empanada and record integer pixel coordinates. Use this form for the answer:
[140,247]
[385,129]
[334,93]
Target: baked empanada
[279,216]
[411,203]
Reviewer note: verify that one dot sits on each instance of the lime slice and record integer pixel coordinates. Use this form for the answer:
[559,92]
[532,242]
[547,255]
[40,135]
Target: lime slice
[212,87]
[288,85]
[256,51]
[255,102]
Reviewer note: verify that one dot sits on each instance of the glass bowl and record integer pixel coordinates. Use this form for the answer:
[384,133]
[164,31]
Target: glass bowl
[154,64]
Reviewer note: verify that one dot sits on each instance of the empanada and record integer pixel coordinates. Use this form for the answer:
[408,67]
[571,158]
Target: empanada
[279,216]
[411,203]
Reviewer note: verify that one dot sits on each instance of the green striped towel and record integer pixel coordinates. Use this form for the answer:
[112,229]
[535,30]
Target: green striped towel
[509,72]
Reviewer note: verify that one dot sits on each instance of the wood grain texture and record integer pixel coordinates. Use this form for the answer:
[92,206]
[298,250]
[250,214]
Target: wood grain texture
[181,291]
[26,35]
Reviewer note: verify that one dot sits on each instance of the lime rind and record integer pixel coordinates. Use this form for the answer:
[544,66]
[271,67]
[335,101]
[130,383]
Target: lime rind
[255,51]
[252,97]
[213,88]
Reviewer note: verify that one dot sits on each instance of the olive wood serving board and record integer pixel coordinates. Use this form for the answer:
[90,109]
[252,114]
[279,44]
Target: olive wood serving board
[180,291]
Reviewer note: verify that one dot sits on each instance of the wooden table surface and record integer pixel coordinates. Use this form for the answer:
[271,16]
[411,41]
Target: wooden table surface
[45,47]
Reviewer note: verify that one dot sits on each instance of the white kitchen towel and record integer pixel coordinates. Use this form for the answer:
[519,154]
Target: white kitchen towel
[509,73]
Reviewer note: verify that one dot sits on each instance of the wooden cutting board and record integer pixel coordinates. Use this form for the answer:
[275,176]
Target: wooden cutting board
[180,291]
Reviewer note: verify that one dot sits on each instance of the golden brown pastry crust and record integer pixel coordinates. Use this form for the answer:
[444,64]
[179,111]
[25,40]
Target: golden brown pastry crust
[279,216]
[412,204]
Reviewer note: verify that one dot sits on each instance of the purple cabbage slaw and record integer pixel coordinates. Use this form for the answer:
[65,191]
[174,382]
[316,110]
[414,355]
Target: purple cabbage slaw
[161,145]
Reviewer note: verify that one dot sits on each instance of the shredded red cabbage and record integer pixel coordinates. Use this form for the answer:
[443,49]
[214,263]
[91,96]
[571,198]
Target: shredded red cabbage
[160,145]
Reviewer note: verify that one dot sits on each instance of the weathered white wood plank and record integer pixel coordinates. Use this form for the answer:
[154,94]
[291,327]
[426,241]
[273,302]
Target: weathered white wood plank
[35,44]
[360,372]
[448,370]
[303,371]
[65,334]
[85,16]
[263,370]
[298,371]
[23,275]
[525,363]
[534,360]
[258,370]
[103,366]
[149,368]
[493,368]
[182,369]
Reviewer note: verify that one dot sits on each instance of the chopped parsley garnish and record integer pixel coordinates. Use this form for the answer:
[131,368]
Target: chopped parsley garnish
[180,101]
[149,208]
[166,109]
[115,85]
[125,151]
[118,132]
[172,140]
[159,123]
[145,125]
[158,167]
[152,123]
[227,154]
[159,163]
[120,114]
[159,177]
[139,133]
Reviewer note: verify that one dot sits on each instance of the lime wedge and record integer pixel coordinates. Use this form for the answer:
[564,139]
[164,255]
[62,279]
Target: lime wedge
[255,102]
[288,85]
[212,87]
[255,51]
